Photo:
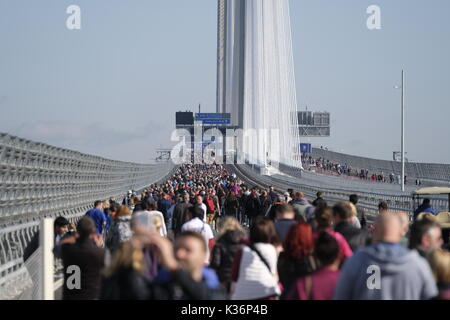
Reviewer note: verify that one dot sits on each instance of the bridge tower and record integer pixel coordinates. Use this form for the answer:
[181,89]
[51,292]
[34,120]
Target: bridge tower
[255,78]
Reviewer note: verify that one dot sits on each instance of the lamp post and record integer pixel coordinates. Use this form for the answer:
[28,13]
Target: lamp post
[402,129]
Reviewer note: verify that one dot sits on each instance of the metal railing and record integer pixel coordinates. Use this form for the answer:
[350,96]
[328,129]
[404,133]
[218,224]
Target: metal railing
[368,200]
[38,180]
[426,171]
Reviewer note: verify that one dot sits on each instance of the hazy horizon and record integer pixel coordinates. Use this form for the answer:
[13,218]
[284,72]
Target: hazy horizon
[113,87]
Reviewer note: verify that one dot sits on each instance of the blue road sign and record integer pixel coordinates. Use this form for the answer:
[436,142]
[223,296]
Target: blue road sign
[217,121]
[305,148]
[203,116]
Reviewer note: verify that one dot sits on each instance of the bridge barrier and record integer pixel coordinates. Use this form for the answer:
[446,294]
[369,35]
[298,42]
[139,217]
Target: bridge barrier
[367,200]
[38,181]
[425,171]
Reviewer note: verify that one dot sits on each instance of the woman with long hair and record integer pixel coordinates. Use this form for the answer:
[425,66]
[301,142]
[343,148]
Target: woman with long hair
[297,259]
[124,278]
[254,271]
[231,205]
[120,230]
[319,285]
[229,241]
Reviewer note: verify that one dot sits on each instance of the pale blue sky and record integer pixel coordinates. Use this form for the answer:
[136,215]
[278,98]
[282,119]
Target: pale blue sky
[112,88]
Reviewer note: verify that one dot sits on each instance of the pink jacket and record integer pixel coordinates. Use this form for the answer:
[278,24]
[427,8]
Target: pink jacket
[322,285]
[344,249]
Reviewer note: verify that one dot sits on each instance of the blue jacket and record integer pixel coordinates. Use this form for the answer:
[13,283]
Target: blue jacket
[424,208]
[210,278]
[99,218]
[164,206]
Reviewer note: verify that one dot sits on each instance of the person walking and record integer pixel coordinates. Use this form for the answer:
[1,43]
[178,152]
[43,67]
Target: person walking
[120,230]
[180,214]
[296,260]
[252,206]
[231,205]
[425,236]
[98,216]
[197,224]
[386,270]
[254,270]
[284,221]
[319,199]
[303,209]
[324,222]
[89,257]
[361,214]
[321,284]
[229,240]
[343,218]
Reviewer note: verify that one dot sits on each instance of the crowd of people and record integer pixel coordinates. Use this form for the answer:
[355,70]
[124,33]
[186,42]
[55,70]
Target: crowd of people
[204,234]
[324,165]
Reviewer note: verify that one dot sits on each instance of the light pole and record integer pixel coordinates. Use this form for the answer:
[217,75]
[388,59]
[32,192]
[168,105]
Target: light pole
[403,129]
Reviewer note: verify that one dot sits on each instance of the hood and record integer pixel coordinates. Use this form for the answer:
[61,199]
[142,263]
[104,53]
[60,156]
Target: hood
[302,202]
[392,258]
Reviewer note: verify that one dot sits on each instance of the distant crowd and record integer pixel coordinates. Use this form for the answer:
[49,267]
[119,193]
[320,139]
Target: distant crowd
[324,165]
[204,235]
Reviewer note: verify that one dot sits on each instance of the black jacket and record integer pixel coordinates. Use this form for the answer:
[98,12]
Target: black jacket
[223,253]
[356,238]
[252,207]
[317,201]
[183,287]
[125,284]
[242,201]
[273,196]
[90,259]
[231,207]
[266,202]
[290,269]
[179,216]
[272,213]
[137,207]
[130,285]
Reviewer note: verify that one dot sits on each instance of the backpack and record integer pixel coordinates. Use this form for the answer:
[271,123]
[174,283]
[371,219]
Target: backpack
[210,205]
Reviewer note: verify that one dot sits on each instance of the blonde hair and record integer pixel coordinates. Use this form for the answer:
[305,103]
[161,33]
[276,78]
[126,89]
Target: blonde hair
[352,208]
[105,204]
[440,265]
[426,216]
[157,223]
[229,224]
[126,256]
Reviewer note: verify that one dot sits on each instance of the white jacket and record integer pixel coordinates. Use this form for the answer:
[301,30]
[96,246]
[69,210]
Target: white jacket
[255,281]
